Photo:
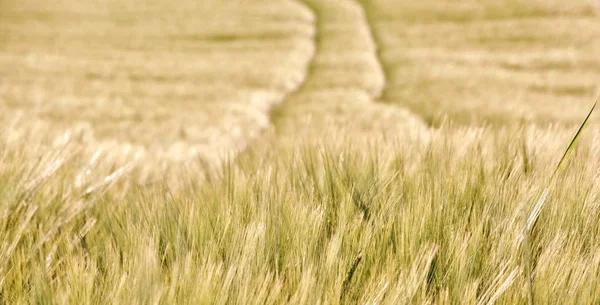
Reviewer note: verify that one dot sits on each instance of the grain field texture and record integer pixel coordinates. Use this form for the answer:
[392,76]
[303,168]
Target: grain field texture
[181,80]
[489,62]
[299,152]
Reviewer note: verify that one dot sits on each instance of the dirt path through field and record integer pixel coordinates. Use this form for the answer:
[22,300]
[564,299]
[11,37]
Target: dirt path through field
[195,80]
[345,80]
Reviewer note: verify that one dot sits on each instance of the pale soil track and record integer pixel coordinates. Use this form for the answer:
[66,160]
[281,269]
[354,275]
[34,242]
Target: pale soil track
[345,80]
[161,82]
[211,78]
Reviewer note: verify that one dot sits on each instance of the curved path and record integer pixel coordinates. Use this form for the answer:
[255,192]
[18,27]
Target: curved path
[158,81]
[345,79]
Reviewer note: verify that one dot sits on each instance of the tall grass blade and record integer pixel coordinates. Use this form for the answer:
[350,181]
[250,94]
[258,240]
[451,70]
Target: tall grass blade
[538,207]
[531,220]
[533,217]
[574,140]
[536,210]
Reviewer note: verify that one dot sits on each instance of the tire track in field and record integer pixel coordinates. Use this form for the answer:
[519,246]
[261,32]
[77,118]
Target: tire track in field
[343,83]
[386,95]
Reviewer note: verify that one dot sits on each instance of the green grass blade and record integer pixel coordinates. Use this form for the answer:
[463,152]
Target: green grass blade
[533,217]
[574,140]
[538,207]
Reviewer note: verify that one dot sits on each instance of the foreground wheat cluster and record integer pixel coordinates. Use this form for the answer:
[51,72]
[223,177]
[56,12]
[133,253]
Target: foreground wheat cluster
[299,152]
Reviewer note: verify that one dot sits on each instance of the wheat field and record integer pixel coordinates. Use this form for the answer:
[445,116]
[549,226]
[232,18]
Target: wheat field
[299,152]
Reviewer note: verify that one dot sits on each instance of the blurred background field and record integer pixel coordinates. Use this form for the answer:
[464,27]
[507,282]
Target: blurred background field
[297,152]
[203,75]
[213,76]
[489,61]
